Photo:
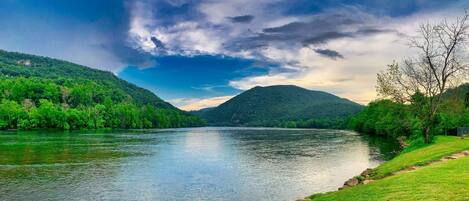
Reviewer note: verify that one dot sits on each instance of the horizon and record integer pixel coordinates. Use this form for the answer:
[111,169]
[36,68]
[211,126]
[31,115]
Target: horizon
[198,54]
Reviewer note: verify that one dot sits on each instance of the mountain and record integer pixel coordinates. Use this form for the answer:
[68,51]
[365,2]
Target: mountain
[281,105]
[51,93]
[19,64]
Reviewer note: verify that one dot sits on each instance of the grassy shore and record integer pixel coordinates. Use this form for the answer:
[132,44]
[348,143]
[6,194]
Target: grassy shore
[443,180]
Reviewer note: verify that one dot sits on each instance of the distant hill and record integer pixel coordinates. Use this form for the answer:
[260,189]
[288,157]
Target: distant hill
[281,105]
[456,99]
[28,82]
[19,64]
[460,93]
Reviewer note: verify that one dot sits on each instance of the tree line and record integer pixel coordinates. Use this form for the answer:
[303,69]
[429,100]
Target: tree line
[29,103]
[389,118]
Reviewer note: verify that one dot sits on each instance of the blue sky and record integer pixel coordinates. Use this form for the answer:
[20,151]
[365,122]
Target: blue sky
[198,54]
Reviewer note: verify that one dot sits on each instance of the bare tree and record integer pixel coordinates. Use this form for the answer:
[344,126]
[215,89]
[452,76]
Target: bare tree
[441,63]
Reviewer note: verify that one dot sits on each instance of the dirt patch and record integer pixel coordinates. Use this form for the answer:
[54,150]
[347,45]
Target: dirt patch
[446,158]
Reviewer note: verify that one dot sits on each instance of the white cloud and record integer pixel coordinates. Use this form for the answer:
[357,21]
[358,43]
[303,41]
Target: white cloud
[140,23]
[188,38]
[190,104]
[353,77]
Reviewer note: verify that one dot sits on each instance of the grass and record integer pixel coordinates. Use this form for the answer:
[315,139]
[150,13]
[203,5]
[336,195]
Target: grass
[447,180]
[443,146]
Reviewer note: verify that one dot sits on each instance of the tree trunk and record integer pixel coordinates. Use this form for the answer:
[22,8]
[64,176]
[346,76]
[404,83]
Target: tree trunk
[426,134]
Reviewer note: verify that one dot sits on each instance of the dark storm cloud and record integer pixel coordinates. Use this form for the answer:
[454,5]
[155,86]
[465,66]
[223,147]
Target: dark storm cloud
[315,30]
[328,36]
[373,30]
[326,22]
[325,37]
[241,19]
[169,12]
[158,43]
[329,53]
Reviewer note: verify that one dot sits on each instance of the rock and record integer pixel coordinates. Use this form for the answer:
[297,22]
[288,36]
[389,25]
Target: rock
[352,182]
[367,181]
[366,173]
[343,187]
[24,62]
[466,152]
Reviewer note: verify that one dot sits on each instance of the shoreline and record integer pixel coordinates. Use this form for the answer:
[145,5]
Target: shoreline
[411,174]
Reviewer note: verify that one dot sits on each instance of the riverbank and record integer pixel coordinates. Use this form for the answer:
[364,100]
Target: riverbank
[430,172]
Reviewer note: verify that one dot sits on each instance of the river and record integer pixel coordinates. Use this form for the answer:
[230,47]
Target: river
[239,164]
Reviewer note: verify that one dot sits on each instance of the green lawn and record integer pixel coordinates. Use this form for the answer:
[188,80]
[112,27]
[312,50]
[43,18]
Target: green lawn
[447,180]
[443,146]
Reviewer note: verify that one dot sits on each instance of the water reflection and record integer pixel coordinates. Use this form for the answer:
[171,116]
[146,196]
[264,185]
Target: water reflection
[182,164]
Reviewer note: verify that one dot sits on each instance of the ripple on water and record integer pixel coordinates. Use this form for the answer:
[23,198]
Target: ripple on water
[182,164]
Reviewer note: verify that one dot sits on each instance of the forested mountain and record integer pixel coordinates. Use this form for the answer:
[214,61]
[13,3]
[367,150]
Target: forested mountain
[18,64]
[40,92]
[282,105]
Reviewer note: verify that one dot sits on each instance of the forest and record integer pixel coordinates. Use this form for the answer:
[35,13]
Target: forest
[41,92]
[389,118]
[287,106]
[28,103]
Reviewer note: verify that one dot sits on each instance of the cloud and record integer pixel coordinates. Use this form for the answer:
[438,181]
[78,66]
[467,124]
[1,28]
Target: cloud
[329,53]
[210,88]
[241,19]
[352,77]
[325,37]
[158,44]
[317,23]
[305,49]
[191,104]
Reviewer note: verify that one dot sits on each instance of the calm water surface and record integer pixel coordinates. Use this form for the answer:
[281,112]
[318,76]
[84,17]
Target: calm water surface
[183,164]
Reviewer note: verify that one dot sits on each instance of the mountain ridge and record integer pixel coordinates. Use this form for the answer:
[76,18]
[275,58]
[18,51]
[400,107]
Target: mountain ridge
[273,105]
[37,65]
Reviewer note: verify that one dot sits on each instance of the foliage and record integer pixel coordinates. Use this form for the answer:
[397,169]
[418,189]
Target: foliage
[282,106]
[11,64]
[384,118]
[57,94]
[440,64]
[389,118]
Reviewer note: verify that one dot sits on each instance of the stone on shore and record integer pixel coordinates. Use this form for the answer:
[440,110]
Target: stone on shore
[352,182]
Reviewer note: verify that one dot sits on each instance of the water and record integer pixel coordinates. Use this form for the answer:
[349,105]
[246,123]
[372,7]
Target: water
[183,164]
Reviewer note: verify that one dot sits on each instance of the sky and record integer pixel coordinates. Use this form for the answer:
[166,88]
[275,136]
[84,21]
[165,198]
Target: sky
[197,54]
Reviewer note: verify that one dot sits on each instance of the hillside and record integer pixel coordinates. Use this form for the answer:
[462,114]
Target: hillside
[18,64]
[41,92]
[282,105]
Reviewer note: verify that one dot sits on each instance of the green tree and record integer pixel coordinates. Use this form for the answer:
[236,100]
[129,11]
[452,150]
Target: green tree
[11,114]
[440,63]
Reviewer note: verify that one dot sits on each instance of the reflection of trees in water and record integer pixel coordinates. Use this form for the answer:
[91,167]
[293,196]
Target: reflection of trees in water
[30,148]
[382,147]
[35,165]
[59,181]
[25,153]
[281,144]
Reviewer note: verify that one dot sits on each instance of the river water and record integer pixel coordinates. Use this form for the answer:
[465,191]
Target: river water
[239,164]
